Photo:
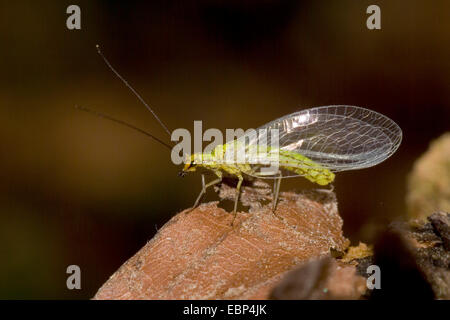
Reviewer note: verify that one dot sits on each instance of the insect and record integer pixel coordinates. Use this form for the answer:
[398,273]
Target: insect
[313,143]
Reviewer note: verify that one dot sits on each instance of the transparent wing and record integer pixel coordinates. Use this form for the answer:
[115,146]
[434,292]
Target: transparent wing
[337,137]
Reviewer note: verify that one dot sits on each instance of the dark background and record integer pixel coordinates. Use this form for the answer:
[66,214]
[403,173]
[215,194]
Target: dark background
[75,189]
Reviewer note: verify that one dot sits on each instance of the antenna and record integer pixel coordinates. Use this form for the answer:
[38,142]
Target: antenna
[105,116]
[132,90]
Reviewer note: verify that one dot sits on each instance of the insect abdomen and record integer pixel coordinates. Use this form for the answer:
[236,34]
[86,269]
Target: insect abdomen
[305,167]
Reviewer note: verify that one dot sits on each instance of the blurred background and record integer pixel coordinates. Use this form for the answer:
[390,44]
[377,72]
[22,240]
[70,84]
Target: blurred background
[76,189]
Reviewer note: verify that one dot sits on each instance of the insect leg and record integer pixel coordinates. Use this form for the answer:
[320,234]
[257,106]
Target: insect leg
[331,187]
[238,193]
[276,192]
[204,187]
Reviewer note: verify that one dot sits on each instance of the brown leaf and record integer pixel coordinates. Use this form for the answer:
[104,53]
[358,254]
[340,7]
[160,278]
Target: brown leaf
[200,255]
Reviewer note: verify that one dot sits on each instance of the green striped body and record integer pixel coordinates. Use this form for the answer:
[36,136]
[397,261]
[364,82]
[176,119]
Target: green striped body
[295,162]
[288,160]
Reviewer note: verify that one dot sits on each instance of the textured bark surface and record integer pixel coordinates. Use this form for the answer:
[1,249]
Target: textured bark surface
[428,242]
[200,255]
[414,258]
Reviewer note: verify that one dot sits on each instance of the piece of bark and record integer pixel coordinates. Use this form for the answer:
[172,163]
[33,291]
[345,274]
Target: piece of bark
[441,225]
[401,274]
[200,255]
[323,278]
[427,242]
[414,259]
